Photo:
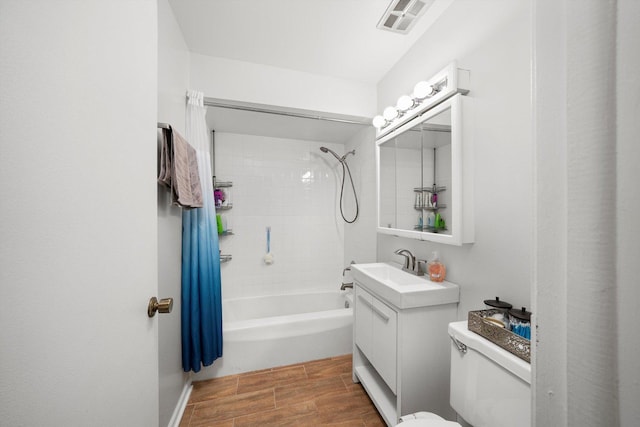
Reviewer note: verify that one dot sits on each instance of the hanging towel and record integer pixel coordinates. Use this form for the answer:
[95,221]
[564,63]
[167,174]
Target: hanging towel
[164,175]
[179,170]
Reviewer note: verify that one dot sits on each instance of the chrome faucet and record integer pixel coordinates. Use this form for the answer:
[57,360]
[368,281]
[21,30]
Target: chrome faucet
[344,285]
[348,268]
[410,264]
[409,259]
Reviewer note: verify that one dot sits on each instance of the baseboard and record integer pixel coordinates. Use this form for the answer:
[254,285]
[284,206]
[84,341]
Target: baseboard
[178,412]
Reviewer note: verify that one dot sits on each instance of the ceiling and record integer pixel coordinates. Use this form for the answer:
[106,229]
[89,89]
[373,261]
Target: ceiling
[336,38]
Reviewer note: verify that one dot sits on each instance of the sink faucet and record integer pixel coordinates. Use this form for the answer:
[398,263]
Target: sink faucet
[410,264]
[409,259]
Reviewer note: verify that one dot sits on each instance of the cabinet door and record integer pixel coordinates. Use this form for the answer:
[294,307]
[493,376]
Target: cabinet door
[385,322]
[363,330]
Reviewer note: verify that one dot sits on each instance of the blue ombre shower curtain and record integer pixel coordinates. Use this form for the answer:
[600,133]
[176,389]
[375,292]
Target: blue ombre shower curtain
[201,284]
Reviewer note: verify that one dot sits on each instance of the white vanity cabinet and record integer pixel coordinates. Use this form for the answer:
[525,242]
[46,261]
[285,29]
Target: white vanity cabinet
[376,334]
[401,355]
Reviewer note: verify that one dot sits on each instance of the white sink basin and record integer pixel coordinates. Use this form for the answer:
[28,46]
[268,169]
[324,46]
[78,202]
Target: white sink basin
[402,289]
[389,274]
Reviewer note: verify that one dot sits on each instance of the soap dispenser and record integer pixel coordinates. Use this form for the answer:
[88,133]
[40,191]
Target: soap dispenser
[437,271]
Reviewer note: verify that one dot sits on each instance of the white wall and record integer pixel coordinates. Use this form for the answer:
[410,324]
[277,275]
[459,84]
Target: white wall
[591,178]
[262,84]
[492,40]
[586,367]
[78,99]
[173,81]
[291,186]
[628,206]
[360,236]
[550,240]
[173,69]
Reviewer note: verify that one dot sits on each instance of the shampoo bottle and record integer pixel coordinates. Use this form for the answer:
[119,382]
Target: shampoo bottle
[431,219]
[437,271]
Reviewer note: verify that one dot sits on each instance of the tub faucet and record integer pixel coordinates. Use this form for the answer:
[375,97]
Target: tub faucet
[346,285]
[348,268]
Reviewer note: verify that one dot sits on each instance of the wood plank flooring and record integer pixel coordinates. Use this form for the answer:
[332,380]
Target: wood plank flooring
[317,393]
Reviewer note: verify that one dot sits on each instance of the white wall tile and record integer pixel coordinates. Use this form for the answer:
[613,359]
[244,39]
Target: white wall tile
[292,187]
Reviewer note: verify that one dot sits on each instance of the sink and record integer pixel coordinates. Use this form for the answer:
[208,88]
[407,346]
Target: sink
[392,274]
[402,289]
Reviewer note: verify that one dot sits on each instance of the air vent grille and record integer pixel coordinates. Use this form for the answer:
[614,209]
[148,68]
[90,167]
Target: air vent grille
[401,15]
[401,5]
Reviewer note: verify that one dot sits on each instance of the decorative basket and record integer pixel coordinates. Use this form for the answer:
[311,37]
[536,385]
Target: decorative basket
[502,337]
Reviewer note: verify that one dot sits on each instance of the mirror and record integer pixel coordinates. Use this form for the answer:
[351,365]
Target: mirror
[420,193]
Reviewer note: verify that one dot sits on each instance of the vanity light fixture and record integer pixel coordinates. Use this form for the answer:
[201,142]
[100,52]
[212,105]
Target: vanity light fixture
[426,94]
[379,122]
[405,103]
[390,113]
[423,90]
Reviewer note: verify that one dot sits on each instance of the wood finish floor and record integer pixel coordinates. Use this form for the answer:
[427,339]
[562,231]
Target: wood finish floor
[317,393]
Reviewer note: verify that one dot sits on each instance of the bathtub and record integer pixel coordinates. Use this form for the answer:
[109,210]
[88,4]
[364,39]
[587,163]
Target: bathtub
[269,331]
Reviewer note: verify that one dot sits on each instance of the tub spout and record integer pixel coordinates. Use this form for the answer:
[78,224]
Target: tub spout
[346,285]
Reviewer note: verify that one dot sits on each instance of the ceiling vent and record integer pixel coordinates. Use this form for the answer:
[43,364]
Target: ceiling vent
[401,15]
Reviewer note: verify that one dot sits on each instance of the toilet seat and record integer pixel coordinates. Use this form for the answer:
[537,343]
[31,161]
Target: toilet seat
[425,419]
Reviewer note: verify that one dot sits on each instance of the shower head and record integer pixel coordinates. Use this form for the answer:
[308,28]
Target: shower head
[326,150]
[340,159]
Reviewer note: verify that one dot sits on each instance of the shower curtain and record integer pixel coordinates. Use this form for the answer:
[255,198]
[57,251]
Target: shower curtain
[201,295]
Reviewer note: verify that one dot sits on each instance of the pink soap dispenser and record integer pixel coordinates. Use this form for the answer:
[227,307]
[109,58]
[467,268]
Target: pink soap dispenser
[437,271]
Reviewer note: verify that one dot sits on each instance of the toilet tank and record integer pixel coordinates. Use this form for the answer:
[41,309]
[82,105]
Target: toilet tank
[489,385]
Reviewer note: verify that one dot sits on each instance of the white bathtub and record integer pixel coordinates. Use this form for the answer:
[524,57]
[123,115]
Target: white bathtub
[269,331]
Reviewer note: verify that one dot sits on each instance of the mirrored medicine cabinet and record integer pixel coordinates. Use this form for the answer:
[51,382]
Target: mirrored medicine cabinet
[425,176]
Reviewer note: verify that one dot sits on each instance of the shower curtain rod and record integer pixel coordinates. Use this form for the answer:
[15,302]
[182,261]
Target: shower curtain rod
[209,102]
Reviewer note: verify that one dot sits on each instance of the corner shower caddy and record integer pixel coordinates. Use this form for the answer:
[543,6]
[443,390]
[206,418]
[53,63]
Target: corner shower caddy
[223,184]
[220,184]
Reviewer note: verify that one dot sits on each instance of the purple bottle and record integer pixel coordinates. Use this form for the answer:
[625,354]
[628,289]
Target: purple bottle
[218,197]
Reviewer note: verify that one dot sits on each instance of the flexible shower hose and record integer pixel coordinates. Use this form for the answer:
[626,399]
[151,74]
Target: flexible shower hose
[355,196]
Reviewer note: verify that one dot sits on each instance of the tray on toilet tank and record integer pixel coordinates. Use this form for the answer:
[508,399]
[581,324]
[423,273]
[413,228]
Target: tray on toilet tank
[513,343]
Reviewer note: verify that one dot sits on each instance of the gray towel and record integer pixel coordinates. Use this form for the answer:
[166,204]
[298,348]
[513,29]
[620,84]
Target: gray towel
[164,175]
[179,170]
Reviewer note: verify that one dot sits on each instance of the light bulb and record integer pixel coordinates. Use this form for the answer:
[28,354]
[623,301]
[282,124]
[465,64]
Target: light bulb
[423,90]
[405,103]
[379,122]
[390,113]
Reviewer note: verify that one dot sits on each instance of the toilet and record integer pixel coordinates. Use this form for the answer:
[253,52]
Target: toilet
[489,385]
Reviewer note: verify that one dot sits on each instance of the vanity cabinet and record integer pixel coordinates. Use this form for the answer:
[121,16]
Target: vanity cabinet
[376,334]
[401,356]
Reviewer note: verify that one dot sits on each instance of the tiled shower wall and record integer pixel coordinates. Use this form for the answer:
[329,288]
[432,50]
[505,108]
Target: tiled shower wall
[291,186]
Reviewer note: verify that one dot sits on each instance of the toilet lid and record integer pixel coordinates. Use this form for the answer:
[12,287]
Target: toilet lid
[422,422]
